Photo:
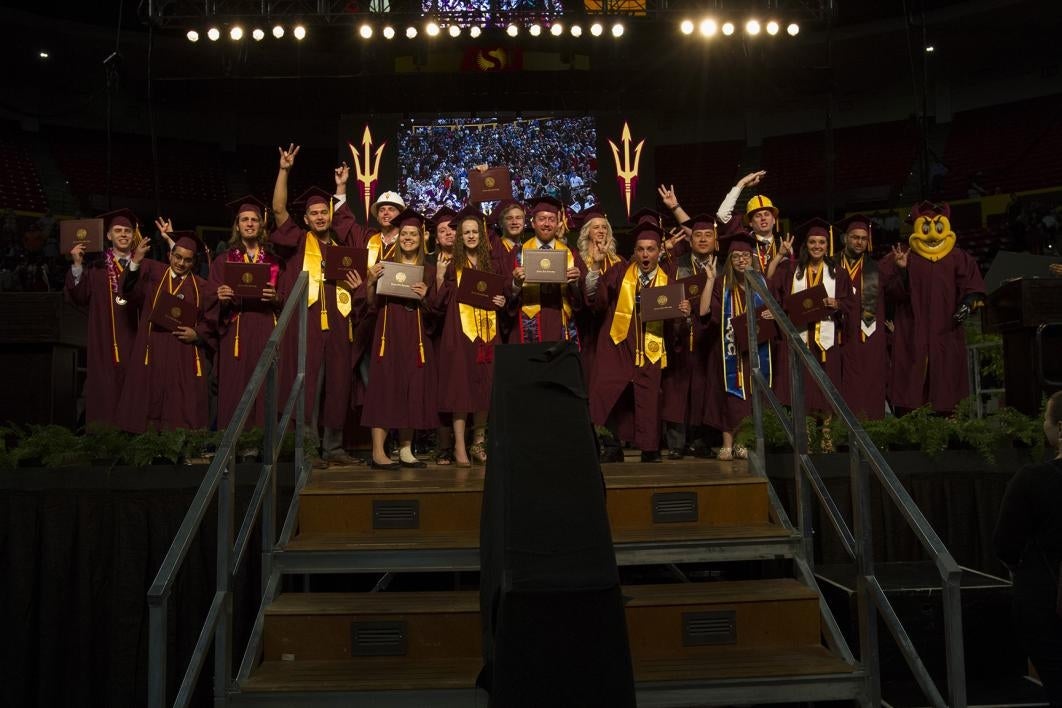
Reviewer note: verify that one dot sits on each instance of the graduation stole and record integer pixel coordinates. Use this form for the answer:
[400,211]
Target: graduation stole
[114,271]
[765,255]
[377,251]
[236,255]
[168,281]
[311,263]
[824,332]
[650,345]
[733,364]
[532,292]
[476,322]
[865,272]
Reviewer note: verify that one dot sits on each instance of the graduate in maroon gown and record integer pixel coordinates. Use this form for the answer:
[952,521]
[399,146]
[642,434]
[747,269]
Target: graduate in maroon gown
[332,309]
[935,286]
[166,381]
[112,321]
[466,348]
[726,364]
[686,382]
[597,248]
[509,221]
[865,363]
[631,354]
[402,388]
[440,254]
[545,312]
[244,325]
[825,338]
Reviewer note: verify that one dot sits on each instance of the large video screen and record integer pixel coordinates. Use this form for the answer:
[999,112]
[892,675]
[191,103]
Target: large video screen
[545,156]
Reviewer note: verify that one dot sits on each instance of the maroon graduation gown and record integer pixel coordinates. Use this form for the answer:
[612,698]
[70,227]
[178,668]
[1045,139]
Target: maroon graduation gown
[814,398]
[244,326]
[109,323]
[466,367]
[548,325]
[724,411]
[929,348]
[614,370]
[329,349]
[402,389]
[685,381]
[864,360]
[166,381]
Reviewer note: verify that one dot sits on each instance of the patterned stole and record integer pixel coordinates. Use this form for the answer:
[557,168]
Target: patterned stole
[824,332]
[733,364]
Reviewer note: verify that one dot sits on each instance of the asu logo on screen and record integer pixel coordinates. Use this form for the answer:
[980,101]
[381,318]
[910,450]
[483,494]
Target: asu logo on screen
[490,59]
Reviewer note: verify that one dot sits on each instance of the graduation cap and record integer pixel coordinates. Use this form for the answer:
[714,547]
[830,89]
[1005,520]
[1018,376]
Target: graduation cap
[444,215]
[120,217]
[409,217]
[247,202]
[592,212]
[702,222]
[737,241]
[816,227]
[646,215]
[858,221]
[312,196]
[468,212]
[189,240]
[541,205]
[505,205]
[647,231]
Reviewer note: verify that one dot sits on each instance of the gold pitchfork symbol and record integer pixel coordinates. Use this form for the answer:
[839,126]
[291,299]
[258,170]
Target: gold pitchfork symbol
[367,178]
[626,174]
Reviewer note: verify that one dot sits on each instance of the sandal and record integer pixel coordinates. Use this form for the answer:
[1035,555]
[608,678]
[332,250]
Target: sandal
[725,454]
[444,457]
[741,452]
[477,451]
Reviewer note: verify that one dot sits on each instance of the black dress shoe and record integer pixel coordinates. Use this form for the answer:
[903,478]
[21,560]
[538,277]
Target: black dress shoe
[651,456]
[413,465]
[373,464]
[675,455]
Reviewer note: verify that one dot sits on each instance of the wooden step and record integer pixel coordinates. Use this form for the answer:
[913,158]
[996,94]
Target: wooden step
[694,494]
[673,620]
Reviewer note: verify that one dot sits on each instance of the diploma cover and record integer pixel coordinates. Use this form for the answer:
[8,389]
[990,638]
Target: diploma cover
[86,231]
[247,279]
[397,280]
[545,265]
[478,288]
[490,186]
[171,312]
[662,302]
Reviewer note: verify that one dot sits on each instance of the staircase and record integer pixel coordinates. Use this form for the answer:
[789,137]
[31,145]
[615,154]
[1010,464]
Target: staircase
[761,634]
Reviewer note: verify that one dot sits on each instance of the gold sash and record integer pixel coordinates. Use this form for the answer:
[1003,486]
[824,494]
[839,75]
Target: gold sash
[377,252]
[532,292]
[652,343]
[311,263]
[476,322]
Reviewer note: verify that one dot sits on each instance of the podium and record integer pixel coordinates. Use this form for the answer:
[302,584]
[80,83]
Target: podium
[1027,312]
[41,338]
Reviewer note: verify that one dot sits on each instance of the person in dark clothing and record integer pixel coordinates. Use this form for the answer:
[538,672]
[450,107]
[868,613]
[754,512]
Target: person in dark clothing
[1028,540]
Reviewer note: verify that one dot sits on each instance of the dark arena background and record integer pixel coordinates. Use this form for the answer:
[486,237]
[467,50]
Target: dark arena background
[852,564]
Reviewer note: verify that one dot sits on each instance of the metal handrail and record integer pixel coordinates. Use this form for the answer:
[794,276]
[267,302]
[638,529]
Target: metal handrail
[863,455]
[220,479]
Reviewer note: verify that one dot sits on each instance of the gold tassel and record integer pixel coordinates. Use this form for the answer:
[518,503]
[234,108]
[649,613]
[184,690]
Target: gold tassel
[350,331]
[420,339]
[147,350]
[324,320]
[383,334]
[236,344]
[198,366]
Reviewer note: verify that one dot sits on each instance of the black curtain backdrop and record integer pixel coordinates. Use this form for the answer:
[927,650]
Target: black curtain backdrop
[79,549]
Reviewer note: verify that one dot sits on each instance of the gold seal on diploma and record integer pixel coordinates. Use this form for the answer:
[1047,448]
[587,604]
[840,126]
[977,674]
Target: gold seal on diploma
[694,289]
[808,303]
[490,182]
[247,278]
[544,263]
[661,300]
[81,234]
[347,261]
[400,277]
[481,286]
[175,312]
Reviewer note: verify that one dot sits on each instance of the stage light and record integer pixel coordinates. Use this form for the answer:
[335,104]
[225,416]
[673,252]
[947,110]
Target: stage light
[686,27]
[214,34]
[596,29]
[192,36]
[752,27]
[432,29]
[43,55]
[474,31]
[534,30]
[772,28]
[793,29]
[389,32]
[258,34]
[617,30]
[411,32]
[455,31]
[556,29]
[299,32]
[512,30]
[236,33]
[930,49]
[365,31]
[728,28]
[278,31]
[576,30]
[709,27]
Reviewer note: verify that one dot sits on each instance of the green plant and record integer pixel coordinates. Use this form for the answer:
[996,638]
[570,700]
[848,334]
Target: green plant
[146,448]
[9,437]
[52,445]
[103,443]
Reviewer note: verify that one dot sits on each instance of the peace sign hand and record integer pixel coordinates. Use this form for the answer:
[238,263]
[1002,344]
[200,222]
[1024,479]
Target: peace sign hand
[287,157]
[900,255]
[667,194]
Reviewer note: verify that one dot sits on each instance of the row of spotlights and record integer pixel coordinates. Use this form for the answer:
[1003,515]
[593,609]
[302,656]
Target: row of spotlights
[432,29]
[709,28]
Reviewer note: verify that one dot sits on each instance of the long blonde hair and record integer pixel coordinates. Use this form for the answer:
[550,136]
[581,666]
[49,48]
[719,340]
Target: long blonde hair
[584,239]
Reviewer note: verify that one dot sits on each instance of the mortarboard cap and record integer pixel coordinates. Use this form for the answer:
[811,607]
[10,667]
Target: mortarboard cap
[737,241]
[312,196]
[858,221]
[540,205]
[702,222]
[443,216]
[408,217]
[467,212]
[816,227]
[646,215]
[120,217]
[647,231]
[189,240]
[247,202]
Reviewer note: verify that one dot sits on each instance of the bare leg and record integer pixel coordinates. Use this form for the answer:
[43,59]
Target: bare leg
[405,445]
[460,451]
[379,455]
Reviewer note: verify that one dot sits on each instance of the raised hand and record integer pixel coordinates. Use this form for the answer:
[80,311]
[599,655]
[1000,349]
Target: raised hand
[667,194]
[78,253]
[751,179]
[677,234]
[287,157]
[342,174]
[141,250]
[787,245]
[165,226]
[900,255]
